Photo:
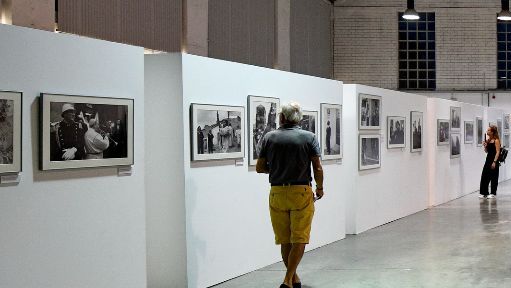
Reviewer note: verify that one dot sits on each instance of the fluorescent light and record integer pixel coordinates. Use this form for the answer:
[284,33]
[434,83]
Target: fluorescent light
[410,13]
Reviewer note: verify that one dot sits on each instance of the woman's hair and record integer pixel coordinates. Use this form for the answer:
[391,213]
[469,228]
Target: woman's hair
[292,113]
[495,132]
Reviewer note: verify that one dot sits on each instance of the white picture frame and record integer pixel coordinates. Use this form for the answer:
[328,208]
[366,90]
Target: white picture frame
[263,117]
[396,132]
[455,118]
[105,109]
[11,103]
[220,129]
[331,131]
[479,131]
[443,132]
[369,112]
[455,145]
[310,121]
[369,147]
[469,132]
[416,131]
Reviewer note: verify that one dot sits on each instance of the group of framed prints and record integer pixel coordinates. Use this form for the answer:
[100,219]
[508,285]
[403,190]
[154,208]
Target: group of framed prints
[449,131]
[369,125]
[75,132]
[218,131]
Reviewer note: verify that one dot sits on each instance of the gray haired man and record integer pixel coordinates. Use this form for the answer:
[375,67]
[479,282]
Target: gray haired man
[287,154]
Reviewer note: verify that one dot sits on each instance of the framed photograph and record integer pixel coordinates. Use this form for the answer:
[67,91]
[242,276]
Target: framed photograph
[416,127]
[217,132]
[455,145]
[369,112]
[469,132]
[331,131]
[479,131]
[442,127]
[499,126]
[310,121]
[455,119]
[396,127]
[85,131]
[369,152]
[505,140]
[262,118]
[10,132]
[506,123]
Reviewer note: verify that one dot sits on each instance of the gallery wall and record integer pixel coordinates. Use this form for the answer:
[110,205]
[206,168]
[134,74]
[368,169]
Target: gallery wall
[71,228]
[399,187]
[451,178]
[227,218]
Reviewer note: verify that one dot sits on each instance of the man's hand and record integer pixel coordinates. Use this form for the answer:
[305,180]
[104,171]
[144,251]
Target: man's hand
[262,166]
[69,154]
[319,193]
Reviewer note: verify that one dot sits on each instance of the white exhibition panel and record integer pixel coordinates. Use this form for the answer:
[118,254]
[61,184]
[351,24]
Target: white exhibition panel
[72,228]
[399,187]
[227,217]
[164,186]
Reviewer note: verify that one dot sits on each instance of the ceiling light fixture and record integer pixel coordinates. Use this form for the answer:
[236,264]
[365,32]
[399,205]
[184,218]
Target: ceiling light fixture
[410,13]
[504,15]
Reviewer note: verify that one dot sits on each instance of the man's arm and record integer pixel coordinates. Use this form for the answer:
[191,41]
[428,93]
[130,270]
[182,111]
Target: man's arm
[317,169]
[262,166]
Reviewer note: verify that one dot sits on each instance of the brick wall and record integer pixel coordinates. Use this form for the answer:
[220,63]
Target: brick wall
[365,42]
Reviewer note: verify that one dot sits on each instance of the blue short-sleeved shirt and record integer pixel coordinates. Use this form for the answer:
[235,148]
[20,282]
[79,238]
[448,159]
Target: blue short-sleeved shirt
[288,151]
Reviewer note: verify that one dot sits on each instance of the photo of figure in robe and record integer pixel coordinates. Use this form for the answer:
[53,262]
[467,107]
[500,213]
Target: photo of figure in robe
[263,117]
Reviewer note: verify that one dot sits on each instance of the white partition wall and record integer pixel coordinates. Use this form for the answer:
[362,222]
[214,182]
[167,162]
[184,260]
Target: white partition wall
[228,229]
[399,187]
[71,228]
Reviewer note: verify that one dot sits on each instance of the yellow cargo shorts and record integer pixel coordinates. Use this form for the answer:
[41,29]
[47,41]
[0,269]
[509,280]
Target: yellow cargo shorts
[291,212]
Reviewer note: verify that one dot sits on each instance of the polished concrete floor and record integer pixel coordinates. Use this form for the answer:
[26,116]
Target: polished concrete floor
[464,243]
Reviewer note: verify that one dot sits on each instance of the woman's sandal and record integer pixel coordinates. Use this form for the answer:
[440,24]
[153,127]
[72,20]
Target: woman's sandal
[297,285]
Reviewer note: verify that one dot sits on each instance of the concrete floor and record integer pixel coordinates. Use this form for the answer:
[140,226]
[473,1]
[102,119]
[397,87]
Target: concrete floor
[464,243]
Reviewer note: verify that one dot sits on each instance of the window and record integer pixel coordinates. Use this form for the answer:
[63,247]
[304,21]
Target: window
[503,55]
[417,52]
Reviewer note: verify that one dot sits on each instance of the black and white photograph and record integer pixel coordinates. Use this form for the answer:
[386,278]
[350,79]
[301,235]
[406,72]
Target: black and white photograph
[469,132]
[10,132]
[263,118]
[479,131]
[455,119]
[396,127]
[309,121]
[506,123]
[369,152]
[369,112]
[217,132]
[416,131]
[442,132]
[83,131]
[499,126]
[331,125]
[505,140]
[455,145]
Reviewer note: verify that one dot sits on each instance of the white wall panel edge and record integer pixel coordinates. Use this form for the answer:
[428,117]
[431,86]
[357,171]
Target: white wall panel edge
[166,221]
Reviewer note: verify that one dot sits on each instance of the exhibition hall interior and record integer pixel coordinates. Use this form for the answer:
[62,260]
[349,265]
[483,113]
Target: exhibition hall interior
[132,136]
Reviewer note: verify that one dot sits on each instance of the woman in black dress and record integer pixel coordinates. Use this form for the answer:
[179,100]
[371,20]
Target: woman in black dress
[491,165]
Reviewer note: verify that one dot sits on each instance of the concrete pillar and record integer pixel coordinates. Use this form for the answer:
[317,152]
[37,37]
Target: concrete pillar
[39,14]
[283,40]
[195,34]
[5,11]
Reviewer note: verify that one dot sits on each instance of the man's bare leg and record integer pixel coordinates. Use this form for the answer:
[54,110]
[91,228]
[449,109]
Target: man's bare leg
[294,254]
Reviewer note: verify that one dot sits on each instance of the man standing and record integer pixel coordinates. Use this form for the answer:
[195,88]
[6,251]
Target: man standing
[200,140]
[67,139]
[287,154]
[210,141]
[95,143]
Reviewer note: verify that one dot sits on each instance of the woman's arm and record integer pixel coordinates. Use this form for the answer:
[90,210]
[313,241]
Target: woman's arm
[497,147]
